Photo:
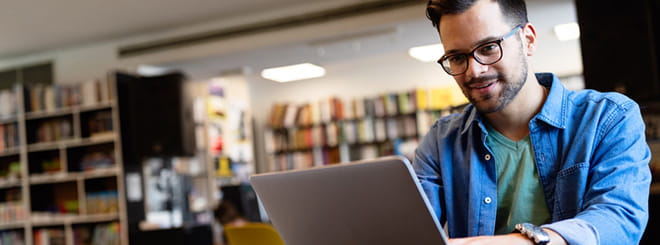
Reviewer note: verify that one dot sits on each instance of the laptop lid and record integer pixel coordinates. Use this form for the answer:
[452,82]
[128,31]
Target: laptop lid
[365,202]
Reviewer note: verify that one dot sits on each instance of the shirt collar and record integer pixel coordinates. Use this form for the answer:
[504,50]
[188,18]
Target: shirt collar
[554,107]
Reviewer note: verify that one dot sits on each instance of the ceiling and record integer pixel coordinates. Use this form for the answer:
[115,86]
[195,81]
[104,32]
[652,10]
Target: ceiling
[30,26]
[393,41]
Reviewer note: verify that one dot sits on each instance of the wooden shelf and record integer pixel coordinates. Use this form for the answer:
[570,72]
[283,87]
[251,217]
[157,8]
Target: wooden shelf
[310,148]
[45,146]
[52,178]
[10,151]
[7,120]
[72,176]
[52,219]
[95,218]
[69,219]
[74,142]
[223,181]
[46,176]
[98,106]
[99,173]
[68,110]
[12,225]
[94,140]
[47,114]
[9,183]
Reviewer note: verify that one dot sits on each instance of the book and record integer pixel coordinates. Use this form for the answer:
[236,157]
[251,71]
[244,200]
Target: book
[380,130]
[379,106]
[349,132]
[290,116]
[331,132]
[3,137]
[358,107]
[8,103]
[317,154]
[390,103]
[366,130]
[15,237]
[440,98]
[349,109]
[337,108]
[315,112]
[325,110]
[393,128]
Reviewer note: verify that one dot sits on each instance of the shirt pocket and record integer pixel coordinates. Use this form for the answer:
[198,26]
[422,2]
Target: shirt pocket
[570,190]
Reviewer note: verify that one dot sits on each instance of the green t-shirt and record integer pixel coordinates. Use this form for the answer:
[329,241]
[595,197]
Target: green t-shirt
[519,192]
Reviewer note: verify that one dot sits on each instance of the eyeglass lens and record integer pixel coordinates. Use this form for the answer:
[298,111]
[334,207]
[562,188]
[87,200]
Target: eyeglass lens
[486,54]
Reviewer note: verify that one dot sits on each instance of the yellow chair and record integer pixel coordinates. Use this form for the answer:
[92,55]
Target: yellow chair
[253,234]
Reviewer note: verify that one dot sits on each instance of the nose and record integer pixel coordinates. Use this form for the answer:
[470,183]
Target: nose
[475,69]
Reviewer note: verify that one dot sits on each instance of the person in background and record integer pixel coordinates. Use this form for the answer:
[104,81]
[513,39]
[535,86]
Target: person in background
[528,155]
[226,214]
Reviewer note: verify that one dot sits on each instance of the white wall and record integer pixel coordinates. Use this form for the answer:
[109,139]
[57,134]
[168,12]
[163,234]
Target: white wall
[393,70]
[356,65]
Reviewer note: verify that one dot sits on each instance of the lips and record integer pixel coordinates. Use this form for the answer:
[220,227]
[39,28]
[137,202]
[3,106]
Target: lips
[481,85]
[482,88]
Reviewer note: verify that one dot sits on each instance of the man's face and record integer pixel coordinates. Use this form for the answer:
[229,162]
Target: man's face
[489,88]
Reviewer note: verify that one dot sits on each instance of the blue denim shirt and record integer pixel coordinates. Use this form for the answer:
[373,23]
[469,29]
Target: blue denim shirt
[590,152]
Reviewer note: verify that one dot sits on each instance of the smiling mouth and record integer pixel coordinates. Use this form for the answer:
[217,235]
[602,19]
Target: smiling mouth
[481,85]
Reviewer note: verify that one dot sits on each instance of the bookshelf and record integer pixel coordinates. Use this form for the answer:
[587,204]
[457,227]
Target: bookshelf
[61,178]
[335,130]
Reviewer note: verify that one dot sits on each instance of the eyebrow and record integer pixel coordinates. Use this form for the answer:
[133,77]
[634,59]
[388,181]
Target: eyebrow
[480,42]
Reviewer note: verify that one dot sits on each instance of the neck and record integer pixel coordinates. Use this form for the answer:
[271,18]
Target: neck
[513,120]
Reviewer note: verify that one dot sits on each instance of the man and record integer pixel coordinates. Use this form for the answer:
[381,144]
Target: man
[528,152]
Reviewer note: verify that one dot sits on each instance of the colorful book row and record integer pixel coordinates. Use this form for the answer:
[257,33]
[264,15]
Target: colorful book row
[11,212]
[100,123]
[52,130]
[8,103]
[319,156]
[98,234]
[392,104]
[102,202]
[365,130]
[42,97]
[9,136]
[49,236]
[16,237]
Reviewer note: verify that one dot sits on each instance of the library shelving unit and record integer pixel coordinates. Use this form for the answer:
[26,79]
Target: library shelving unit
[651,115]
[61,165]
[336,130]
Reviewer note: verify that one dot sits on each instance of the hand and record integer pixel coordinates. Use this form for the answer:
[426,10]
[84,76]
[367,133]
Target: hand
[508,239]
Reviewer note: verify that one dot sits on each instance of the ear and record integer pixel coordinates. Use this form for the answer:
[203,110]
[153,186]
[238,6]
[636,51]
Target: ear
[529,38]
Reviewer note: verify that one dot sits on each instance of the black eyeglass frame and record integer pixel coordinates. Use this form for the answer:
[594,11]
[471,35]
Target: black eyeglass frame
[471,53]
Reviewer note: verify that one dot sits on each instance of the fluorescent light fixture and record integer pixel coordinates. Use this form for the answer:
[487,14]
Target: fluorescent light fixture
[293,72]
[567,32]
[150,70]
[427,53]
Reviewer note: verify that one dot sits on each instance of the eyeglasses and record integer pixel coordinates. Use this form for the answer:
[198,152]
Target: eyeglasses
[486,54]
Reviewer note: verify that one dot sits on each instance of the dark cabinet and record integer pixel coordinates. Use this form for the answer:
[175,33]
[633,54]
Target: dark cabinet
[620,42]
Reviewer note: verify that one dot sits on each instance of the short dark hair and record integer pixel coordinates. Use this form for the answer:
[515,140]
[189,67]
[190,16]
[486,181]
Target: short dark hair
[514,10]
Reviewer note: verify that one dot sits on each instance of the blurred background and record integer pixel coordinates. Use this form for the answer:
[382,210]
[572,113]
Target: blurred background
[159,110]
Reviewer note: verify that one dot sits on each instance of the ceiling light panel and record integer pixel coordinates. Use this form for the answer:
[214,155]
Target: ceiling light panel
[427,53]
[293,72]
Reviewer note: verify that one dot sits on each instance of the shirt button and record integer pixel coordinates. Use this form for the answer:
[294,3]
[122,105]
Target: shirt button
[487,157]
[487,200]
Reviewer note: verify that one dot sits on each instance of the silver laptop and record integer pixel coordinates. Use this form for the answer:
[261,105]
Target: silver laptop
[377,202]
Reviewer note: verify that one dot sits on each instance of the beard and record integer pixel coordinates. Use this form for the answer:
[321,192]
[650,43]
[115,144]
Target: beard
[510,88]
